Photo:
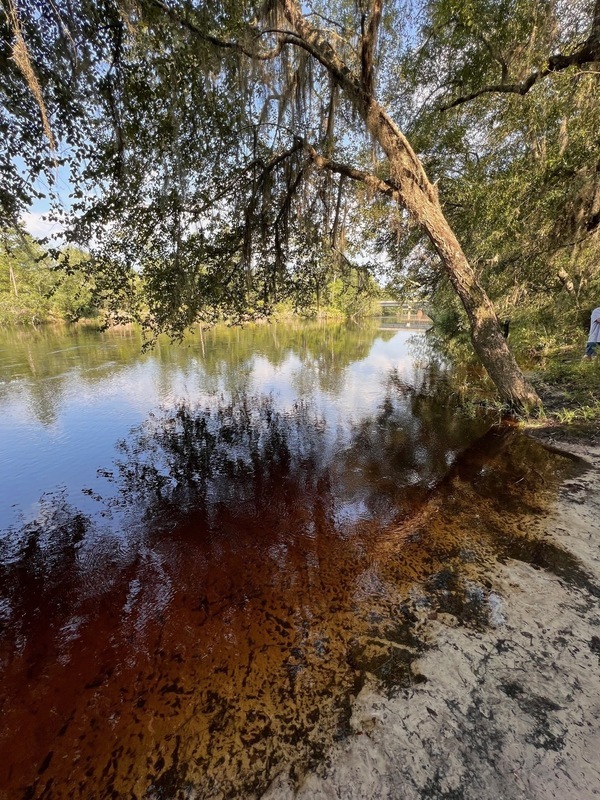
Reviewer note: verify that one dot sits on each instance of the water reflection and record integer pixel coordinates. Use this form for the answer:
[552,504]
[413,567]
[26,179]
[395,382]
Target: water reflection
[67,396]
[267,561]
[56,353]
[199,460]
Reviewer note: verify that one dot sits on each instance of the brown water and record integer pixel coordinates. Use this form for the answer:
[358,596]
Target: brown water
[249,527]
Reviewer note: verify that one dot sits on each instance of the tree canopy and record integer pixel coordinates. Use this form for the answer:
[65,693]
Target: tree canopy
[238,153]
[519,171]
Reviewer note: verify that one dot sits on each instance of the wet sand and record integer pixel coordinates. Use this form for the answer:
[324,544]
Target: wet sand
[506,710]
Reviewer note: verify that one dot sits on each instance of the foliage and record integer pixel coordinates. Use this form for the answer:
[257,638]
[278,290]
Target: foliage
[551,348]
[519,173]
[184,161]
[569,386]
[214,150]
[36,288]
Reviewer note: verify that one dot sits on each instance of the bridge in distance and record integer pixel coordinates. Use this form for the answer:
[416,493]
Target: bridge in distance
[408,315]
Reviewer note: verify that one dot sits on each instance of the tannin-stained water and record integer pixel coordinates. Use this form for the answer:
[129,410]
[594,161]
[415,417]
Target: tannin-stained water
[222,541]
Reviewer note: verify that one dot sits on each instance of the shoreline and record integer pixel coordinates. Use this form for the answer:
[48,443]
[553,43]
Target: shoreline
[511,711]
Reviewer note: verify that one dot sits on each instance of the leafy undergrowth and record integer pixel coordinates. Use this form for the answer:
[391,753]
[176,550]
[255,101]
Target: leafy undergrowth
[569,386]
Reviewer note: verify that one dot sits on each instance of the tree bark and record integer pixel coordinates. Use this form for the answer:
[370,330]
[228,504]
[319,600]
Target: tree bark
[486,335]
[420,198]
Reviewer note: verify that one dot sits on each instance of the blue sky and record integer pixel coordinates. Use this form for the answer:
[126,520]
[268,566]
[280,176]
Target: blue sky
[33,218]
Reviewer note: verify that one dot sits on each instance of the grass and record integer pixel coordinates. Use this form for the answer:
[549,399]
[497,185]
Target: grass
[569,387]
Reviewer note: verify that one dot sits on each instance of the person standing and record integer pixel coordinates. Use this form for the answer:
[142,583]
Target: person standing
[593,342]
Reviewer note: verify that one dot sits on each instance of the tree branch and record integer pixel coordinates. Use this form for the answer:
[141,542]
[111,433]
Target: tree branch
[21,57]
[370,180]
[238,47]
[497,88]
[586,53]
[311,40]
[369,31]
[329,21]
[273,162]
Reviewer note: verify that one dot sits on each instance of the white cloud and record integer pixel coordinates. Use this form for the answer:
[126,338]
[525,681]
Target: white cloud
[38,226]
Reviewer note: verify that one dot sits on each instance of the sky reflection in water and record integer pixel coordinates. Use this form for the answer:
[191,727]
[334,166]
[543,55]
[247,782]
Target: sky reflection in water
[65,400]
[276,508]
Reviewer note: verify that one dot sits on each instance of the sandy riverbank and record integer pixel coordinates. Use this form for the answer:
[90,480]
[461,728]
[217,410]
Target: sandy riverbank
[511,710]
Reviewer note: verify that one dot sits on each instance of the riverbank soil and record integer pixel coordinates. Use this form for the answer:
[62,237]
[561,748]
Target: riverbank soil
[507,709]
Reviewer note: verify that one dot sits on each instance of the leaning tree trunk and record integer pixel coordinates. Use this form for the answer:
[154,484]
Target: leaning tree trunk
[420,198]
[486,335]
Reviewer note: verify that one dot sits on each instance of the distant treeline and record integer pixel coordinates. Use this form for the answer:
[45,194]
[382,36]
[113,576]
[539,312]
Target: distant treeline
[39,286]
[62,285]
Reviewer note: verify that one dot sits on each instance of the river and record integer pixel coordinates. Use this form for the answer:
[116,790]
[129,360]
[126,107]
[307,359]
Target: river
[209,546]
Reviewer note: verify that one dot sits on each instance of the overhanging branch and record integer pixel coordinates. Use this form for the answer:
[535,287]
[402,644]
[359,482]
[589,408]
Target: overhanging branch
[256,53]
[369,30]
[586,53]
[370,180]
[497,88]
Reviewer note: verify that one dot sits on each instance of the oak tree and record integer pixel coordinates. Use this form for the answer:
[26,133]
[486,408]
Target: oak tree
[223,148]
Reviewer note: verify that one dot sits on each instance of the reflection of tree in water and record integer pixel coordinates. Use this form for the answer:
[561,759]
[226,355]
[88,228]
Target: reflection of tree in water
[48,360]
[50,568]
[34,560]
[51,359]
[233,626]
[251,458]
[324,350]
[412,440]
[244,456]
